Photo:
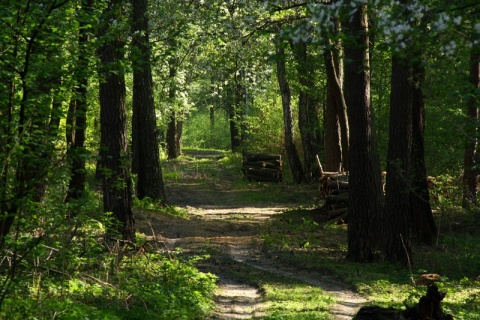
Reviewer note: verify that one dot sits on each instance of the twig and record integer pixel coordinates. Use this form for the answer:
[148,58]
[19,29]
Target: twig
[408,261]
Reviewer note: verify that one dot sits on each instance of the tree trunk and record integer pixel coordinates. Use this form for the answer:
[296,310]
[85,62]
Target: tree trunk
[422,222]
[397,233]
[307,112]
[150,180]
[117,193]
[336,123]
[365,193]
[175,125]
[77,113]
[291,149]
[234,120]
[469,172]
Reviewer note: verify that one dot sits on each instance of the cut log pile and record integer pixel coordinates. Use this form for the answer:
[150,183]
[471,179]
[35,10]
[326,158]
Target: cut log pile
[334,191]
[262,167]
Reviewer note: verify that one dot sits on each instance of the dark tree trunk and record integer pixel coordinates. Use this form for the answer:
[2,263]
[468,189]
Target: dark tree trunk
[422,222]
[235,135]
[290,148]
[365,188]
[150,179]
[333,149]
[211,109]
[307,112]
[234,118]
[397,233]
[77,113]
[7,90]
[174,136]
[336,123]
[175,125]
[117,192]
[469,171]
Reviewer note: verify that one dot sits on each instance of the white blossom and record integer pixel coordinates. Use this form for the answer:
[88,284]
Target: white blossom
[477,27]
[441,23]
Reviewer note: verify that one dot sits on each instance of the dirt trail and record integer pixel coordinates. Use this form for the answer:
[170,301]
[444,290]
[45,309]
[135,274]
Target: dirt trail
[218,219]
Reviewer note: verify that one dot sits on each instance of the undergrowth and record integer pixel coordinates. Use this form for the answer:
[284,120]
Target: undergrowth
[58,265]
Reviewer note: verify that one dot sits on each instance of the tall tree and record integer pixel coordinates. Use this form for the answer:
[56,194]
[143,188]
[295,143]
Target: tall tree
[365,196]
[421,217]
[290,147]
[336,122]
[77,113]
[175,124]
[30,112]
[469,171]
[398,185]
[308,120]
[116,184]
[408,210]
[144,126]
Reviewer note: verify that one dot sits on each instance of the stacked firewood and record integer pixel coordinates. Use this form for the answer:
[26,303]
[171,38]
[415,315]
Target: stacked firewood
[334,191]
[262,167]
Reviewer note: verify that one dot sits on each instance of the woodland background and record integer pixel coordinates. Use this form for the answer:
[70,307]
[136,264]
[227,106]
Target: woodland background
[96,95]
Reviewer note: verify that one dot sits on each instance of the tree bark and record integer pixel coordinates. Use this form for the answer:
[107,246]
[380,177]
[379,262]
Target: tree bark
[307,112]
[77,113]
[291,149]
[234,118]
[469,172]
[397,233]
[422,222]
[150,179]
[336,123]
[175,125]
[116,183]
[365,194]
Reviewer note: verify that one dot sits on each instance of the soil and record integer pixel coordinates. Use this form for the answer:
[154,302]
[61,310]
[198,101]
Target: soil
[220,220]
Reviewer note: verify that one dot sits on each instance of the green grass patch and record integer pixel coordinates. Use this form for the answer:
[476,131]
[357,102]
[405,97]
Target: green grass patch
[284,297]
[296,301]
[300,238]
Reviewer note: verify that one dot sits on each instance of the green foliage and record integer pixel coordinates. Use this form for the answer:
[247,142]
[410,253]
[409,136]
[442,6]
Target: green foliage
[81,279]
[142,286]
[201,134]
[64,269]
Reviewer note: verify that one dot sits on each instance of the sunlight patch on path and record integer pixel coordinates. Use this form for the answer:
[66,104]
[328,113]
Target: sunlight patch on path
[258,214]
[237,301]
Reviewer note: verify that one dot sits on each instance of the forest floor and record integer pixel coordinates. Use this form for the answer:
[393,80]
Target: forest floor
[220,220]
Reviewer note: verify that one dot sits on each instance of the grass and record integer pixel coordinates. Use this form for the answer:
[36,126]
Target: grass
[456,258]
[284,297]
[300,238]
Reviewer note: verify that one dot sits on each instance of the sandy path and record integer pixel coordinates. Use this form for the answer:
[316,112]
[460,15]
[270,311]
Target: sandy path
[232,231]
[217,219]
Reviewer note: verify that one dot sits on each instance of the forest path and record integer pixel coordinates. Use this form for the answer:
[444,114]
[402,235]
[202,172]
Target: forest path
[226,224]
